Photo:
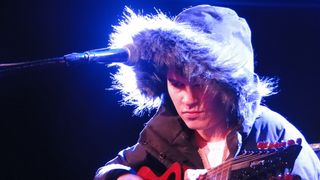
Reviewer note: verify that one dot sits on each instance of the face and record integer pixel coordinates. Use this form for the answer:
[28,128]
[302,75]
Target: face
[195,103]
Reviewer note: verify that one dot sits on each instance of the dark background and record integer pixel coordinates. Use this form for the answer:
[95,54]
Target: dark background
[59,121]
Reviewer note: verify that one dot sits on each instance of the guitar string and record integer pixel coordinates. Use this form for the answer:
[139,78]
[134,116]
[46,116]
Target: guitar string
[225,167]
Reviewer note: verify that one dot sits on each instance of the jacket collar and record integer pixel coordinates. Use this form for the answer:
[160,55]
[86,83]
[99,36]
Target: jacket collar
[166,136]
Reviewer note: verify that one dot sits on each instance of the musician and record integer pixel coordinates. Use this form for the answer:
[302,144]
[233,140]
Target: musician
[197,70]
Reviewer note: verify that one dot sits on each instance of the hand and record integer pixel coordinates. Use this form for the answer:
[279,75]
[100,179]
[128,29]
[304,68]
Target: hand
[193,174]
[129,177]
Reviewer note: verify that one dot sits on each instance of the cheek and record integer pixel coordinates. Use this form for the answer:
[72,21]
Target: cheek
[175,100]
[176,103]
[174,96]
[216,108]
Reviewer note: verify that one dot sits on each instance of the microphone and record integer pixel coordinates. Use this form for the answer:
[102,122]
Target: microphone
[127,55]
[101,56]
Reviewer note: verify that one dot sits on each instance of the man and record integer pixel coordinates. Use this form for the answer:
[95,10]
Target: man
[197,70]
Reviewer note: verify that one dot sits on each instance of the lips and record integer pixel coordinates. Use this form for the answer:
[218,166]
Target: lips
[191,114]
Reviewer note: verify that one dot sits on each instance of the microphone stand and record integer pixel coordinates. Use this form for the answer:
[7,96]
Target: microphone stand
[6,67]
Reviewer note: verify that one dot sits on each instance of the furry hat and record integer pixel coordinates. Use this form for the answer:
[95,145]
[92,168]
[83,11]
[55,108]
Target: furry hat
[205,43]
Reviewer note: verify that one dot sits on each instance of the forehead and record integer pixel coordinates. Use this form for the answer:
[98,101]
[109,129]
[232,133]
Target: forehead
[174,74]
[178,76]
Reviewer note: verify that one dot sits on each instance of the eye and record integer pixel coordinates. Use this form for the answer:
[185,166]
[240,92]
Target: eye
[198,86]
[176,84]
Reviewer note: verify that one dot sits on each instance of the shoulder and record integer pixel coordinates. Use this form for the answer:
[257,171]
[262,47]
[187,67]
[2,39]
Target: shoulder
[270,118]
[275,123]
[272,127]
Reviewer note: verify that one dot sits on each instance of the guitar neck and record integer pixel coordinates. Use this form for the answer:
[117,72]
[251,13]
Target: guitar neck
[223,170]
[255,164]
[219,173]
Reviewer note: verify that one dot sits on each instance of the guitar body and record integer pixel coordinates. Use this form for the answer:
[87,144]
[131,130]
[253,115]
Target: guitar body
[175,172]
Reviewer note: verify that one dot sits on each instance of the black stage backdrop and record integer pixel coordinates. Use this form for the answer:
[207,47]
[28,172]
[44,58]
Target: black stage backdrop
[59,121]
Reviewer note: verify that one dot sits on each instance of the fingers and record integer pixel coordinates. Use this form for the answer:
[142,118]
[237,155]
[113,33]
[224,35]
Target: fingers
[193,174]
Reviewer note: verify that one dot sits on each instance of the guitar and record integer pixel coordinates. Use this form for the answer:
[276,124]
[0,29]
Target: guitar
[270,161]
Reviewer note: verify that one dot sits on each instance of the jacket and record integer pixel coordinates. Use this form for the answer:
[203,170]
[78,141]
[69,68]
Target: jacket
[165,139]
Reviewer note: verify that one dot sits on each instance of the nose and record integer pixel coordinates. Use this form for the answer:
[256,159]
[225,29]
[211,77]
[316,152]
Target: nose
[190,97]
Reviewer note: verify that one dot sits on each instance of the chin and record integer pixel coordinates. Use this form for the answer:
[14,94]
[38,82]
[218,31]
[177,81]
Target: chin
[196,124]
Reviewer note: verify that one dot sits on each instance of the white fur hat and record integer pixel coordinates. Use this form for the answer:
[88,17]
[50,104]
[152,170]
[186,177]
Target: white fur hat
[223,25]
[204,42]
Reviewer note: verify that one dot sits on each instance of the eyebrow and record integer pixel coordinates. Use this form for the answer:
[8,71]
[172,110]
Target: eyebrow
[172,80]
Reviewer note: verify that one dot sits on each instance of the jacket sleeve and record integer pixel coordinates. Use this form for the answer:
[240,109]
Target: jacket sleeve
[127,161]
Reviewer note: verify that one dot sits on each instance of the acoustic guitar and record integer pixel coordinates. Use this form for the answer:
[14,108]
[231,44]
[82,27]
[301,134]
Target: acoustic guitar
[271,161]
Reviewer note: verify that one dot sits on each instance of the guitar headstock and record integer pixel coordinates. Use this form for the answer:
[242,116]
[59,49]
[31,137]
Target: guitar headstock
[270,160]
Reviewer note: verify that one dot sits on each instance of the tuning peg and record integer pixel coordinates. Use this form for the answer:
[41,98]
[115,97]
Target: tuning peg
[270,145]
[262,145]
[283,144]
[285,177]
[291,142]
[299,141]
[273,145]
